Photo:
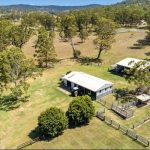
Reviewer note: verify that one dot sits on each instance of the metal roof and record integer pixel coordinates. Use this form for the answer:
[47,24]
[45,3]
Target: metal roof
[87,81]
[128,62]
[143,97]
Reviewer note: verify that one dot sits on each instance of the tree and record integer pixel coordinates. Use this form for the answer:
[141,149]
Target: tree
[129,15]
[80,111]
[52,122]
[20,34]
[5,27]
[48,21]
[105,31]
[68,29]
[15,69]
[139,74]
[45,51]
[83,20]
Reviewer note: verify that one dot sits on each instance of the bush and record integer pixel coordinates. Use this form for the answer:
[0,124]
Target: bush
[52,122]
[80,111]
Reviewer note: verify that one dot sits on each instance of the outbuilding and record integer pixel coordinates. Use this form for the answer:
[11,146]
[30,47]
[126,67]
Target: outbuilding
[86,84]
[126,63]
[143,99]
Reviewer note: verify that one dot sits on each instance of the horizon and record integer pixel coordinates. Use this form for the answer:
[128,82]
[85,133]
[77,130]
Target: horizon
[58,2]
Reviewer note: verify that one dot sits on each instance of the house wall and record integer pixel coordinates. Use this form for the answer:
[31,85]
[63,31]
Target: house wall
[104,92]
[119,68]
[65,82]
[95,95]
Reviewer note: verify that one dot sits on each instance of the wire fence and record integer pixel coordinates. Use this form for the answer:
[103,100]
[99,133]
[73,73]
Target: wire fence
[141,122]
[133,135]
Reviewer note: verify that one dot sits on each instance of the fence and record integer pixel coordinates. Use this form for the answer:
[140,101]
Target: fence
[129,105]
[28,143]
[123,129]
[100,114]
[105,104]
[141,122]
[125,113]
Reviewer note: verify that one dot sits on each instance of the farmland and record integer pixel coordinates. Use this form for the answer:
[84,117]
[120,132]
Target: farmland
[16,125]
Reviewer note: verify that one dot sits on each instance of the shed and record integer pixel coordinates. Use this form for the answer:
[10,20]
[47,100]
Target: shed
[87,84]
[143,99]
[126,63]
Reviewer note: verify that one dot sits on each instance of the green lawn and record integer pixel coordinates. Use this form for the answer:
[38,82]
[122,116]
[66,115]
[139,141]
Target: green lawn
[16,125]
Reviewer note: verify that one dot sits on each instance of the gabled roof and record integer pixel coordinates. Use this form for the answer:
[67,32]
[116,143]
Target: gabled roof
[128,62]
[143,97]
[87,81]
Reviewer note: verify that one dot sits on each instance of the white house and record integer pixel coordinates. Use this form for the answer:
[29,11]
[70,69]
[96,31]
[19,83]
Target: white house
[87,84]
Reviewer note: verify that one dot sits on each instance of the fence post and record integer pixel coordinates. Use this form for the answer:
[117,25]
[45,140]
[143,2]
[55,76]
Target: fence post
[133,126]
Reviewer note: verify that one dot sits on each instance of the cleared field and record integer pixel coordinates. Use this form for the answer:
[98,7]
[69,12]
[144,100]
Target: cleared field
[16,125]
[121,48]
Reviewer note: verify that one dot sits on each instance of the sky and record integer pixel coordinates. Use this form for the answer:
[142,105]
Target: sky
[59,2]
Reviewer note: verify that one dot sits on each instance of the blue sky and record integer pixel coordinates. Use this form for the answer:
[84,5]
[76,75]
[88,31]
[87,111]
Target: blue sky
[58,2]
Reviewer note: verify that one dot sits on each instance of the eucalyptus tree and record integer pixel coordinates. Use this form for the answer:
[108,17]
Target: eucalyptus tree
[139,74]
[20,34]
[15,69]
[48,21]
[5,27]
[45,51]
[68,29]
[105,31]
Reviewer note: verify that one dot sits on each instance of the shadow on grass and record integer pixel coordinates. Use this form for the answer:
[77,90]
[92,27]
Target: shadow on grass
[8,103]
[147,54]
[125,95]
[141,43]
[35,134]
[88,61]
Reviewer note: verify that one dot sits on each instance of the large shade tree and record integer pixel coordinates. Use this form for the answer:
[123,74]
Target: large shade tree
[20,34]
[80,111]
[15,69]
[68,29]
[105,31]
[52,122]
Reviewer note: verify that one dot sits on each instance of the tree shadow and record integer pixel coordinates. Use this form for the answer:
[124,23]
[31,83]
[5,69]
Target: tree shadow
[8,103]
[125,95]
[147,54]
[89,61]
[34,134]
[141,43]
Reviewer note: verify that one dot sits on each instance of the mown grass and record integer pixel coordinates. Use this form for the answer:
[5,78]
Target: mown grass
[16,125]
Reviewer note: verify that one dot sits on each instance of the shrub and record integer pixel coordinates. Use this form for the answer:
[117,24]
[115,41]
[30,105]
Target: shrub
[80,111]
[52,122]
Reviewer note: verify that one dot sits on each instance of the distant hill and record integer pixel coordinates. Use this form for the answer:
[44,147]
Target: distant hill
[51,8]
[144,2]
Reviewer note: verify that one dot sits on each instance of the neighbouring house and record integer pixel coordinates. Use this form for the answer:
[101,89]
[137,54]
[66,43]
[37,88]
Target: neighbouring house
[85,84]
[126,63]
[143,99]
